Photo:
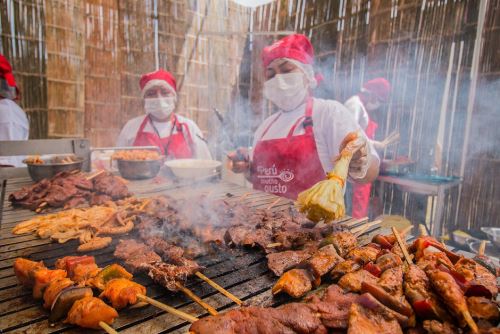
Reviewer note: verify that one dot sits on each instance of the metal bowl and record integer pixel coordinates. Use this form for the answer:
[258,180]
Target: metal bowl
[493,234]
[139,169]
[49,168]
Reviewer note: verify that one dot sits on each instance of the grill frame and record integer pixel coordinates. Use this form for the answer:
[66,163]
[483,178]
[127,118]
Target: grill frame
[242,272]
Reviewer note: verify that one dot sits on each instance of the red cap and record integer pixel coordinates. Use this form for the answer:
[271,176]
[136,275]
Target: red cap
[380,87]
[6,71]
[296,46]
[158,78]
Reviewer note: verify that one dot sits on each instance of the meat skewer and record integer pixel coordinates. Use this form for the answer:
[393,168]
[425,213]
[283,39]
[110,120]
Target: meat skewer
[402,246]
[113,279]
[140,257]
[274,203]
[219,288]
[107,328]
[300,280]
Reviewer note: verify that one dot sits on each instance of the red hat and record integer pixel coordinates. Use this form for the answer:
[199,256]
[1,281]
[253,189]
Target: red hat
[158,78]
[6,71]
[296,46]
[379,87]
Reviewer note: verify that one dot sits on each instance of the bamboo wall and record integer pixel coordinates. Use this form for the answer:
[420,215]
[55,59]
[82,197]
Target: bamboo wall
[23,44]
[412,43]
[79,61]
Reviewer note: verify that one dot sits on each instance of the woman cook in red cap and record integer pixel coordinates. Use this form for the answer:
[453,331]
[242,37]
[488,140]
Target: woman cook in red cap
[372,96]
[294,148]
[177,137]
[14,124]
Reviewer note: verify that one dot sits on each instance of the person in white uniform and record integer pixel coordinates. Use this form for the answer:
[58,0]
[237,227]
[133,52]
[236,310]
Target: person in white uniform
[294,147]
[176,136]
[14,124]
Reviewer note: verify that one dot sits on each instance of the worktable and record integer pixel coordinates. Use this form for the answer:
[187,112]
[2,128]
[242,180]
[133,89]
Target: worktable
[424,188]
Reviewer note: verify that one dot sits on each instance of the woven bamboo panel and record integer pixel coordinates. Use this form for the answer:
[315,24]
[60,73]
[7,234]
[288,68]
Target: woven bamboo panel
[410,43]
[64,31]
[23,43]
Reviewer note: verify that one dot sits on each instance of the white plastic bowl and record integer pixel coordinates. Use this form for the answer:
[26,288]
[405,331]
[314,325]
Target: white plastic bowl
[193,168]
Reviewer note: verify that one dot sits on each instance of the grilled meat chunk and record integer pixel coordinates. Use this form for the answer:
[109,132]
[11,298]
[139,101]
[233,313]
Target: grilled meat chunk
[363,254]
[122,292]
[366,321]
[344,267]
[418,290]
[137,256]
[89,311]
[452,295]
[295,282]
[280,262]
[484,310]
[352,281]
[477,275]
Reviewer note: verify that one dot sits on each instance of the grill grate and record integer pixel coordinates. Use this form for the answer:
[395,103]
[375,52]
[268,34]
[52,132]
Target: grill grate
[243,273]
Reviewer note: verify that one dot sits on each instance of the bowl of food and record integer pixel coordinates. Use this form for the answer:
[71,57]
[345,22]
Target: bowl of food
[138,164]
[193,168]
[493,234]
[46,166]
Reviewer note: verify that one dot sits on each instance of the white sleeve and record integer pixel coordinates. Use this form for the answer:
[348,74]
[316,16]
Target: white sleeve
[358,112]
[125,137]
[331,124]
[201,150]
[12,131]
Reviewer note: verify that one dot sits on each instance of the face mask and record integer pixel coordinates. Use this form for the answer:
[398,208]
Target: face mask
[159,107]
[287,91]
[373,105]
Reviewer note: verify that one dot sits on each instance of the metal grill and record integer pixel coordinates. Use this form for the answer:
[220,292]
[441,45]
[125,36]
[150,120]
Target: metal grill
[243,272]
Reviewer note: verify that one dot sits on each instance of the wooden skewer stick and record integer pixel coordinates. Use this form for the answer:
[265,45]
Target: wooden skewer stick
[107,328]
[41,206]
[196,299]
[219,288]
[357,231]
[245,195]
[422,230]
[482,248]
[90,177]
[274,245]
[273,203]
[355,221]
[402,246]
[167,308]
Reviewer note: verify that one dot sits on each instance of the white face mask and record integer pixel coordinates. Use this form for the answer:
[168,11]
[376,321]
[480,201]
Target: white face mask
[159,107]
[287,91]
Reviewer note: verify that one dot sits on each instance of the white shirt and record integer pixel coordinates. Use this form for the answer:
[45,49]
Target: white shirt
[358,110]
[14,125]
[129,132]
[331,123]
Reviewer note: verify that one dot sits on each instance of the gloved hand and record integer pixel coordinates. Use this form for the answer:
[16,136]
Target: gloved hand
[361,159]
[238,161]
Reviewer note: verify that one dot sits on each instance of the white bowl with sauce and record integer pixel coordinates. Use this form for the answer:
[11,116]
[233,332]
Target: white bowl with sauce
[193,168]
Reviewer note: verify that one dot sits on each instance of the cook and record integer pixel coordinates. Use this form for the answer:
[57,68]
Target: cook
[373,95]
[176,136]
[294,147]
[14,124]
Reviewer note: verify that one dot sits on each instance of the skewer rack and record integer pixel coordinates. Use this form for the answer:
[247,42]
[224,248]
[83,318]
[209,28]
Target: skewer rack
[243,272]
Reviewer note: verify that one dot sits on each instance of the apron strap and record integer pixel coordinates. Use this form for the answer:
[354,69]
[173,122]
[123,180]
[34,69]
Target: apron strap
[143,125]
[307,119]
[269,126]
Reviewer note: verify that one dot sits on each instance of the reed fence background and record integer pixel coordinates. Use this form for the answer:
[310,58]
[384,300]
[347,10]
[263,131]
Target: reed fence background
[426,49]
[78,63]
